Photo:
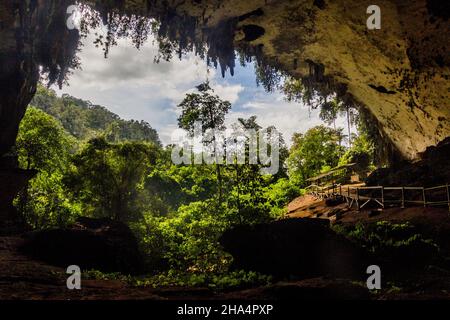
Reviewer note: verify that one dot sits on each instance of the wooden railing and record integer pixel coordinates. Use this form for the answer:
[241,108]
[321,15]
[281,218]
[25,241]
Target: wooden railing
[382,196]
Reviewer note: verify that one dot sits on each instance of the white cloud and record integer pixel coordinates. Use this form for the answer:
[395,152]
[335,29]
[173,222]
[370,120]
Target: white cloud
[287,117]
[228,92]
[131,85]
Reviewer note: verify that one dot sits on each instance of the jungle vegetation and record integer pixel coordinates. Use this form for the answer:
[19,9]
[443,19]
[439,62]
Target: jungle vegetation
[92,163]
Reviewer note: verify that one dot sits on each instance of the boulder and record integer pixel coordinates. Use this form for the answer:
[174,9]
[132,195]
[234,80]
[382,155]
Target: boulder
[299,247]
[100,244]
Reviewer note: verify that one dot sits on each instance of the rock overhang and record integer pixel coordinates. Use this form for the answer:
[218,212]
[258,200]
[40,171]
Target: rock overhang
[399,74]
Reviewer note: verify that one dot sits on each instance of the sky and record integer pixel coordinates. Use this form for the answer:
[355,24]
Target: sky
[131,85]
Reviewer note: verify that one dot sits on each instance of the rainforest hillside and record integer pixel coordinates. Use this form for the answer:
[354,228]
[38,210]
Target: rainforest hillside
[85,120]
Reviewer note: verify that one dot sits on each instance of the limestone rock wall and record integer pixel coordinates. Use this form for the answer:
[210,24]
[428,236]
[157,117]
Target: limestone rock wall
[399,73]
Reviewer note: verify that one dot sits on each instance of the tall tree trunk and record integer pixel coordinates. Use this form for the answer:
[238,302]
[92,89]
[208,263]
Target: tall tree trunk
[348,126]
[238,194]
[23,195]
[219,180]
[218,172]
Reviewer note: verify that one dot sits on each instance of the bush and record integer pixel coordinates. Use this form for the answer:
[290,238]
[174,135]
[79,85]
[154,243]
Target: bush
[280,194]
[187,240]
[398,243]
[216,281]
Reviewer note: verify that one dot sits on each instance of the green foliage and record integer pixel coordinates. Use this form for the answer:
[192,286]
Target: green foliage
[115,168]
[329,111]
[216,281]
[294,90]
[188,238]
[85,120]
[245,193]
[280,193]
[99,275]
[385,237]
[311,151]
[48,203]
[205,107]
[43,145]
[193,235]
[108,178]
[173,209]
[361,153]
[210,111]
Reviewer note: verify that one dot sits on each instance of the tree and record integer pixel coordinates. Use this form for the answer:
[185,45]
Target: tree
[249,123]
[85,120]
[328,102]
[43,145]
[246,183]
[351,116]
[362,153]
[108,178]
[311,151]
[330,109]
[329,112]
[210,110]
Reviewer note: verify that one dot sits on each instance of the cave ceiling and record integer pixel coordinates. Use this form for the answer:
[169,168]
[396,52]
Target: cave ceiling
[398,74]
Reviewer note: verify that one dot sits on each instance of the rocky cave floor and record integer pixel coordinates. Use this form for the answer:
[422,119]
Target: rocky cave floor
[26,279]
[23,278]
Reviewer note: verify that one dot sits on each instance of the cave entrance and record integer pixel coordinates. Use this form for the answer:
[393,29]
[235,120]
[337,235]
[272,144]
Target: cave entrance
[143,85]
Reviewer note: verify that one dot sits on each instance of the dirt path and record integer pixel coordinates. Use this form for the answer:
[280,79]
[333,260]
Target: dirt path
[307,206]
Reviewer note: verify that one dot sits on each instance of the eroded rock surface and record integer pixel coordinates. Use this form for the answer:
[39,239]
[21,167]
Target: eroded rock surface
[432,170]
[399,73]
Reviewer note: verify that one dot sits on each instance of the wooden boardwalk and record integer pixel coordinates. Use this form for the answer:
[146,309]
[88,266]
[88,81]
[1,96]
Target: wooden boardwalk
[381,196]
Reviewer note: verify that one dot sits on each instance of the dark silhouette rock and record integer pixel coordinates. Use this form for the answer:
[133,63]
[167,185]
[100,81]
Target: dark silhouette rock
[100,244]
[300,247]
[432,169]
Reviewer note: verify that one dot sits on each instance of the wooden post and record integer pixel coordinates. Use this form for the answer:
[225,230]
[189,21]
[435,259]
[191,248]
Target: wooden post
[424,199]
[348,192]
[403,197]
[382,196]
[357,198]
[340,190]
